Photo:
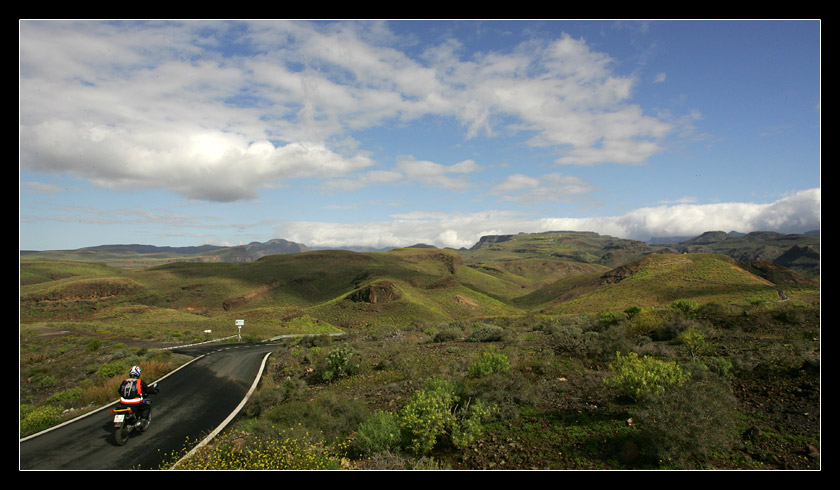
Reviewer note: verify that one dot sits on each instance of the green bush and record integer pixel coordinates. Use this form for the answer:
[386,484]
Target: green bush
[470,423]
[484,332]
[378,434]
[601,346]
[608,318]
[489,363]
[425,418]
[685,306]
[688,423]
[113,368]
[37,419]
[448,335]
[272,395]
[641,378]
[647,320]
[693,341]
[339,364]
[632,311]
[436,414]
[66,398]
[330,415]
[567,339]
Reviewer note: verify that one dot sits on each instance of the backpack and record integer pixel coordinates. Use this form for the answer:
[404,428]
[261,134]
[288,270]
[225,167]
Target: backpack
[130,388]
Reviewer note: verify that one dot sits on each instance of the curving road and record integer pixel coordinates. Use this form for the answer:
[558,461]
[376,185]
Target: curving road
[193,402]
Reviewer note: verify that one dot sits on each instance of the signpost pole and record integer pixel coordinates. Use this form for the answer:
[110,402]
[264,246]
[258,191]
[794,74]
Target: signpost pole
[239,325]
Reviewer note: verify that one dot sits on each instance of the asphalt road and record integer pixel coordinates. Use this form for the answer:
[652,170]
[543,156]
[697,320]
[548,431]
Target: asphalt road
[192,403]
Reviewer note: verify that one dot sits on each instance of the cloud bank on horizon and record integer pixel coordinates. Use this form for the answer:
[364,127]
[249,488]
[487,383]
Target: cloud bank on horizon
[393,133]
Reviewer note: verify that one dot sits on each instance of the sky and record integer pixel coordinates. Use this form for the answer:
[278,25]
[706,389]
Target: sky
[378,133]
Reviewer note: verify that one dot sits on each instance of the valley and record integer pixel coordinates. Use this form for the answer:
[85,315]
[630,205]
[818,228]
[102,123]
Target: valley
[550,310]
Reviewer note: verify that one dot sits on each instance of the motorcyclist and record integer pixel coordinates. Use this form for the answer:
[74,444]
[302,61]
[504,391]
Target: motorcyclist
[133,392]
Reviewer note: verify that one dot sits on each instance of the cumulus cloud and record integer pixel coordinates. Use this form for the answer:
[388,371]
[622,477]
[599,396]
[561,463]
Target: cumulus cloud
[218,110]
[454,230]
[550,187]
[207,165]
[797,213]
[449,177]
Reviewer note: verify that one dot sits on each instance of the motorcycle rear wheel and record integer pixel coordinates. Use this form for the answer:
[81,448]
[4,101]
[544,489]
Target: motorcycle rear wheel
[121,434]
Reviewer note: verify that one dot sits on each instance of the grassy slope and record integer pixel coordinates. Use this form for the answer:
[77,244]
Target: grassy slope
[525,273]
[309,292]
[427,285]
[657,279]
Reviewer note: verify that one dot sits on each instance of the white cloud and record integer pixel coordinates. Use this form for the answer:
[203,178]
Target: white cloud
[209,165]
[549,187]
[439,175]
[169,104]
[797,213]
[371,178]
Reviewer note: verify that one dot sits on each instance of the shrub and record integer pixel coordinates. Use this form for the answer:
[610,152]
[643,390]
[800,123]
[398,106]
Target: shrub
[688,423]
[484,332]
[37,419]
[113,368]
[329,415]
[693,341]
[720,366]
[448,335]
[641,378]
[435,414]
[379,433]
[66,398]
[685,306]
[670,328]
[602,345]
[470,424]
[489,363]
[646,321]
[426,417]
[272,395]
[608,318]
[632,311]
[568,339]
[339,363]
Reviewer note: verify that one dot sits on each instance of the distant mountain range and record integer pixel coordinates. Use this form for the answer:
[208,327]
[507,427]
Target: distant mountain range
[800,252]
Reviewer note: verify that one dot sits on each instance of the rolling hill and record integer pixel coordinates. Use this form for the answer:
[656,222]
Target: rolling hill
[330,290]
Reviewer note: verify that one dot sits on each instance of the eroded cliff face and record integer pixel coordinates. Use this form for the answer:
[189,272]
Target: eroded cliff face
[378,292]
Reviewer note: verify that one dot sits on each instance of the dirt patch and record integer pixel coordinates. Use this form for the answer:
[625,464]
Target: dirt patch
[45,331]
[233,303]
[379,292]
[466,301]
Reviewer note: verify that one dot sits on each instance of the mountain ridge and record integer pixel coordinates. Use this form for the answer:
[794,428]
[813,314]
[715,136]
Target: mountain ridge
[800,252]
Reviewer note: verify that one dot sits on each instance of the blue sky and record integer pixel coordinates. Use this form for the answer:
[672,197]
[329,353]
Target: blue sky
[391,133]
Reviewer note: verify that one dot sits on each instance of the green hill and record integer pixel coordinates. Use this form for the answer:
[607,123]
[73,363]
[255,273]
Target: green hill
[656,279]
[337,289]
[332,290]
[800,252]
[526,326]
[568,246]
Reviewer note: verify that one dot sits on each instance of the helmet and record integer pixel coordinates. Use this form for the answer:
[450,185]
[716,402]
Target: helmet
[135,372]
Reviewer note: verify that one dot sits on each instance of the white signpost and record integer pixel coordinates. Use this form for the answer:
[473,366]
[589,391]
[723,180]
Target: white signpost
[239,325]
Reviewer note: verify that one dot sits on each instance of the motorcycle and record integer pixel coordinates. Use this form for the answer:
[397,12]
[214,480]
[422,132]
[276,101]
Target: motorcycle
[127,420]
